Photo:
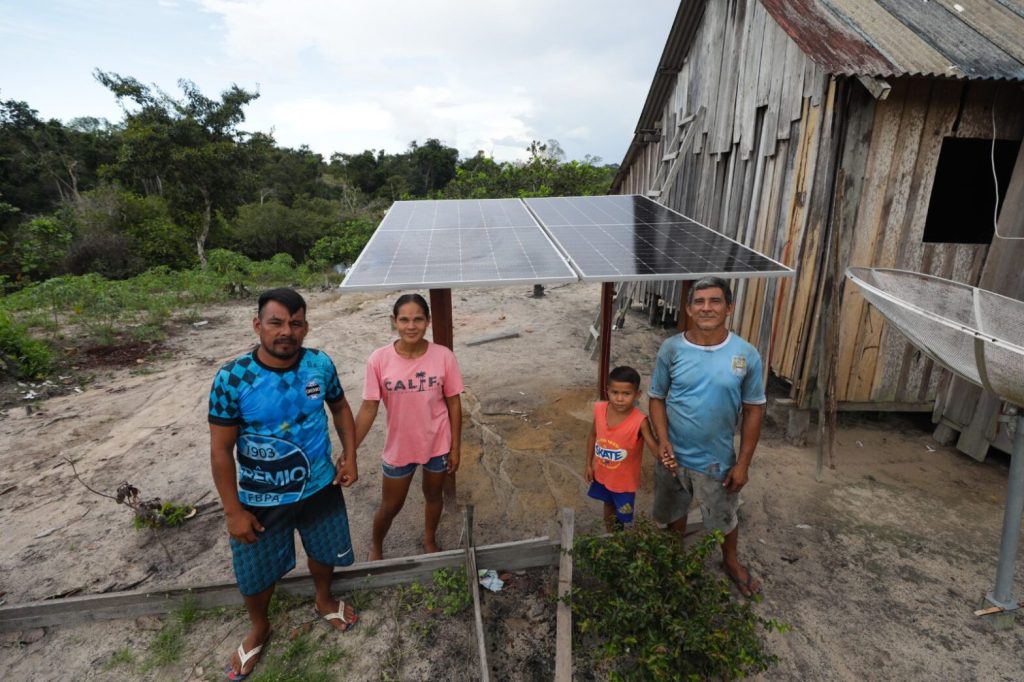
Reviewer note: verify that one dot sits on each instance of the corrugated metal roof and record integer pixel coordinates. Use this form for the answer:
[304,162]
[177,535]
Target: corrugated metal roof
[973,39]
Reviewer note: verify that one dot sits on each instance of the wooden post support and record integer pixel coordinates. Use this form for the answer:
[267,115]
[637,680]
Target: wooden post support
[607,298]
[441,325]
[683,321]
[474,588]
[563,629]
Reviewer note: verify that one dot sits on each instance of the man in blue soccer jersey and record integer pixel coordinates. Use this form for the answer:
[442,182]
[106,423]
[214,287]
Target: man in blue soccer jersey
[267,413]
[706,380]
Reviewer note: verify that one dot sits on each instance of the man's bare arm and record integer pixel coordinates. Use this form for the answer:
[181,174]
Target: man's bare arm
[346,470]
[242,525]
[750,432]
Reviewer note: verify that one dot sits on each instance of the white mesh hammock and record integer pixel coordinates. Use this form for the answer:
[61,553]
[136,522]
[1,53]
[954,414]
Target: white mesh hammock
[973,332]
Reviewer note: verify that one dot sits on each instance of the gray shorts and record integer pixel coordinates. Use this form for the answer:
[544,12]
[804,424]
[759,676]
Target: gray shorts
[674,493]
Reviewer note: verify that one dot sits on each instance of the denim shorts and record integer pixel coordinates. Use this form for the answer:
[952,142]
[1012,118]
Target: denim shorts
[435,465]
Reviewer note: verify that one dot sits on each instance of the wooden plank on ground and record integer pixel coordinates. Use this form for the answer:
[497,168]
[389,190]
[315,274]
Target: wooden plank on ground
[533,553]
[563,629]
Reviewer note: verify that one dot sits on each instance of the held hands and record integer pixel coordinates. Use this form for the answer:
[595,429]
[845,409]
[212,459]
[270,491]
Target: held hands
[347,473]
[243,526]
[666,456]
[736,478]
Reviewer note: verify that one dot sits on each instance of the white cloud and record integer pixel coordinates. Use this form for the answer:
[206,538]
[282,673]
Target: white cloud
[478,75]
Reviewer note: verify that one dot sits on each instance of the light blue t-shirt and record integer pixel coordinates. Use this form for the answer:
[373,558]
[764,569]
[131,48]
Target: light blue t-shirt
[704,388]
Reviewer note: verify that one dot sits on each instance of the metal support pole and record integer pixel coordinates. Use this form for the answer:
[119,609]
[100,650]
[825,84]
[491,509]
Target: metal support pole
[1002,595]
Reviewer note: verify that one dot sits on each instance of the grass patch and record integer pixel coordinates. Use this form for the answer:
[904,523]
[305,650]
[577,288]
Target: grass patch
[166,647]
[121,658]
[297,661]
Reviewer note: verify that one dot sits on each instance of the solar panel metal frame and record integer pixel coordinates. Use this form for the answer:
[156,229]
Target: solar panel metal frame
[534,203]
[385,231]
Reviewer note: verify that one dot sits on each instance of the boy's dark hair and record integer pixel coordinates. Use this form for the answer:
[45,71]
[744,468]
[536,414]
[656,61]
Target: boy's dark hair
[625,374]
[286,296]
[710,283]
[411,298]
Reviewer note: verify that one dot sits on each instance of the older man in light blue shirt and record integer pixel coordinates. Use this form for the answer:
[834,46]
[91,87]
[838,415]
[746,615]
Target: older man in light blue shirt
[706,382]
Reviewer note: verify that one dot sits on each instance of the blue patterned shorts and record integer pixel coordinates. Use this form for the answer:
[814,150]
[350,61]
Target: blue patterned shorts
[322,523]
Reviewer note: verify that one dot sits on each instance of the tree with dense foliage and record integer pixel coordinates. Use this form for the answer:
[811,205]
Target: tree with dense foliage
[188,150]
[544,174]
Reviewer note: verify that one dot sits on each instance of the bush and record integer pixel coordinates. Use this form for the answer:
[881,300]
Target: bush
[653,611]
[21,356]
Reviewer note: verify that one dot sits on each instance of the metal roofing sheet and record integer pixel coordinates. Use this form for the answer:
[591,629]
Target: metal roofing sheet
[977,39]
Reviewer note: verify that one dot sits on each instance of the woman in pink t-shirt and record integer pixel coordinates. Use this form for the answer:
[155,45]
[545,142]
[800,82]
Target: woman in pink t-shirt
[419,383]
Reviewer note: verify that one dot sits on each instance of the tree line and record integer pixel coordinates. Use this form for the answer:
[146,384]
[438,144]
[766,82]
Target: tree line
[178,177]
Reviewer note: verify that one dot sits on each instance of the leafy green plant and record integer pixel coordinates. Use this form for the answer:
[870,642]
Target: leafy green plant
[647,608]
[448,594]
[21,355]
[157,514]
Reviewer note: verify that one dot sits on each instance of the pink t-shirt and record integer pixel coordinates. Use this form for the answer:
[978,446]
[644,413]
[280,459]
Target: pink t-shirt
[413,391]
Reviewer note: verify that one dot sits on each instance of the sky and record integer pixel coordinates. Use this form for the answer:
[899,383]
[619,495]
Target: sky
[350,75]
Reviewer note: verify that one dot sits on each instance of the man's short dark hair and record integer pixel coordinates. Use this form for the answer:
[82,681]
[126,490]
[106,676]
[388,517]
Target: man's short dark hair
[625,374]
[710,283]
[286,296]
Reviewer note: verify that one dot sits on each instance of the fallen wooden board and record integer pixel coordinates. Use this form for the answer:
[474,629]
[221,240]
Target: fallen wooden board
[497,336]
[509,556]
[995,609]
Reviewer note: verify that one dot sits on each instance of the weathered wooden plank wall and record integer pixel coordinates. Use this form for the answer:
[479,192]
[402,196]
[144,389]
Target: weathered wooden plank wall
[876,364]
[764,106]
[762,169]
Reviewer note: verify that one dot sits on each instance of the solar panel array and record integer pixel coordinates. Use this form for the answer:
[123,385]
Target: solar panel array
[442,244]
[622,238]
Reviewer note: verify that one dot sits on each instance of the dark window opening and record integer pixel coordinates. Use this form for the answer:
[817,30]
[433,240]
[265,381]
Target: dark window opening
[963,196]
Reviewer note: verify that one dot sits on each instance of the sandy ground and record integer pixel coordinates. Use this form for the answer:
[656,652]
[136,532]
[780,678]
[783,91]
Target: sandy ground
[877,568]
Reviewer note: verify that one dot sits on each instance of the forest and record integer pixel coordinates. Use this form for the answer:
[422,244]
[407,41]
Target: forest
[115,228]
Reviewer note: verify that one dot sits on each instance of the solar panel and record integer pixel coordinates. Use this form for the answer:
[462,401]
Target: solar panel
[621,238]
[443,244]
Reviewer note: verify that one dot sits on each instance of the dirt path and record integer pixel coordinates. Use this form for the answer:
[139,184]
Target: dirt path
[877,568]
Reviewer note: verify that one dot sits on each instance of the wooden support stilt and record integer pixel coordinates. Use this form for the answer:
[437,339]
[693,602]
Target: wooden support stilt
[563,630]
[444,335]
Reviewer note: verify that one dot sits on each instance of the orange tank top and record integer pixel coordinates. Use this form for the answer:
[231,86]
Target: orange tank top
[618,450]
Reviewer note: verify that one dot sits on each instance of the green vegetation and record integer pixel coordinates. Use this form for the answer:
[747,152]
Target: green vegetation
[167,515]
[111,231]
[167,646]
[647,608]
[306,658]
[21,355]
[448,594]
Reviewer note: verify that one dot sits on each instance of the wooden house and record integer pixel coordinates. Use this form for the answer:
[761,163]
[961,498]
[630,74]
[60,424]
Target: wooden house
[831,133]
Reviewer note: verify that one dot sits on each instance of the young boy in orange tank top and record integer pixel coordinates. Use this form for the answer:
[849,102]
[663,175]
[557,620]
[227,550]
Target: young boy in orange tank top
[615,447]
